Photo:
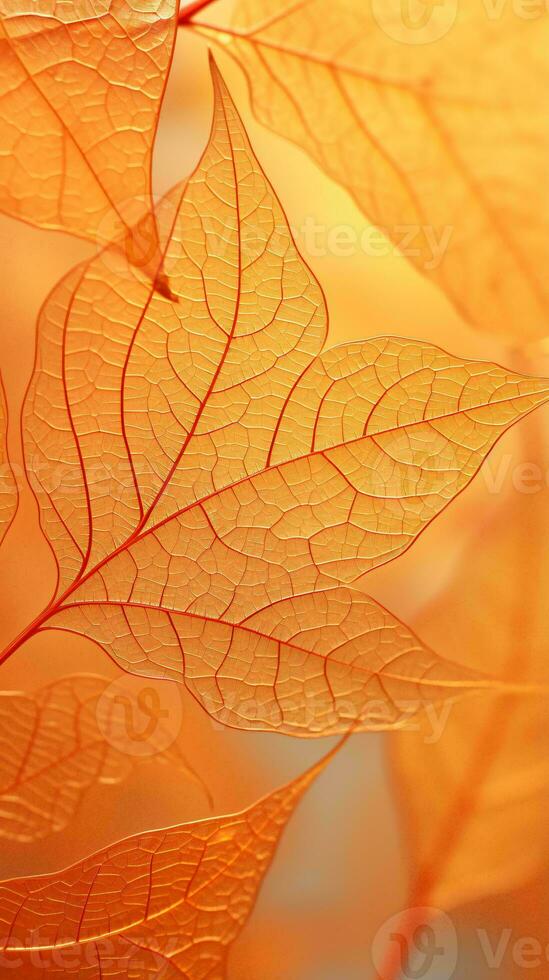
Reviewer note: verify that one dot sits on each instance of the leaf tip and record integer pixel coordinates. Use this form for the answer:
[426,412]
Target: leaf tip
[214,70]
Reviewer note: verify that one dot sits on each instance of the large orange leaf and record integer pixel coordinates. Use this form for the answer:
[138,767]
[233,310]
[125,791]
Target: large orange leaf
[485,784]
[205,480]
[165,903]
[8,488]
[58,743]
[80,96]
[432,116]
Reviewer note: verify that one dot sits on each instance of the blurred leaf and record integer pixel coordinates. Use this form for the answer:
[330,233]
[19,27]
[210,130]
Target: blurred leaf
[59,743]
[433,117]
[484,787]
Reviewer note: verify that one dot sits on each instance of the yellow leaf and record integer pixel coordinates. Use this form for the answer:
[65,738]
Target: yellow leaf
[203,474]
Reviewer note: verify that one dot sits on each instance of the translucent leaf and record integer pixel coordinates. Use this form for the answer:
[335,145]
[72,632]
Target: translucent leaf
[80,96]
[199,462]
[164,903]
[316,664]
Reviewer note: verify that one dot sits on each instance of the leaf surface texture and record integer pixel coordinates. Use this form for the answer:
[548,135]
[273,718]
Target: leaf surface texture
[81,91]
[167,902]
[225,476]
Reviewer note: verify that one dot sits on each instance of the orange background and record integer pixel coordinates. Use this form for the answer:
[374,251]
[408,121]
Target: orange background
[341,868]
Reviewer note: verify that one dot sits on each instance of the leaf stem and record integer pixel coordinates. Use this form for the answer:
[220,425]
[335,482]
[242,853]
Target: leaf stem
[28,632]
[191,10]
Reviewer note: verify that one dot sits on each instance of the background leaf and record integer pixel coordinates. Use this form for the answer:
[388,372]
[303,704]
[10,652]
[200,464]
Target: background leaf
[60,742]
[439,132]
[485,784]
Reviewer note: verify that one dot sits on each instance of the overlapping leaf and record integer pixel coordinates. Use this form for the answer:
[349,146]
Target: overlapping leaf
[207,482]
[81,90]
[8,488]
[433,117]
[56,745]
[485,784]
[166,903]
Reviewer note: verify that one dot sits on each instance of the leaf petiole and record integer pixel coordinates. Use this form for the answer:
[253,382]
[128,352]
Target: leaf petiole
[191,10]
